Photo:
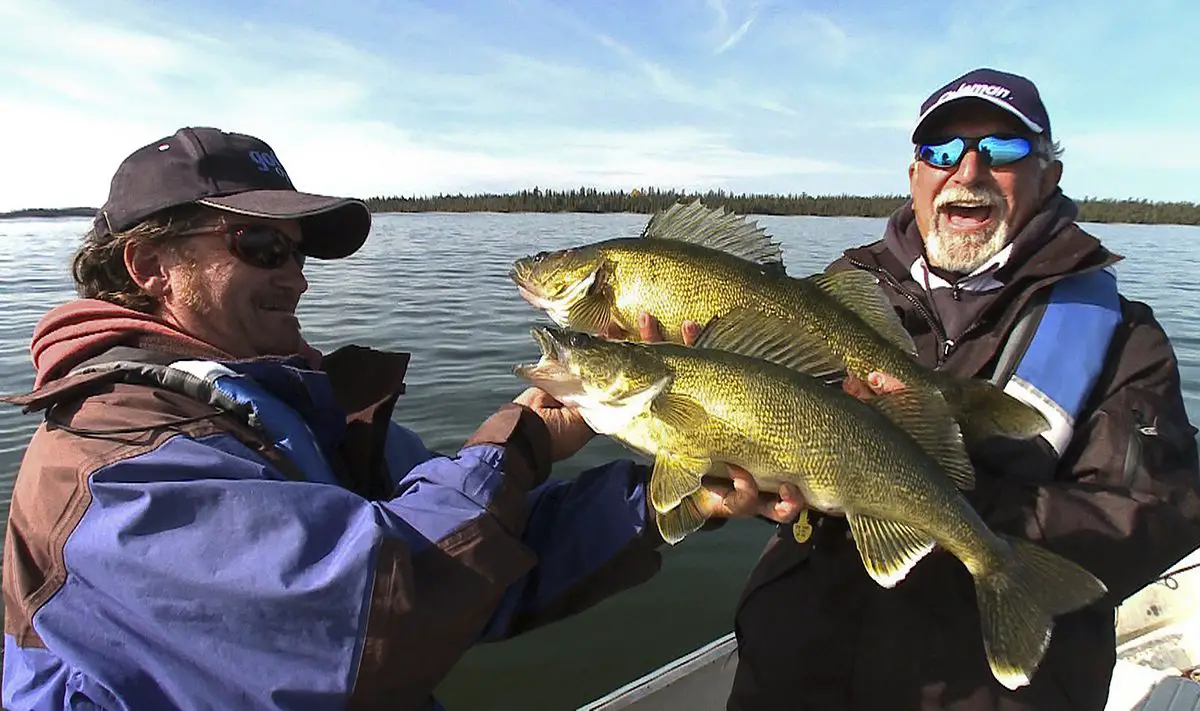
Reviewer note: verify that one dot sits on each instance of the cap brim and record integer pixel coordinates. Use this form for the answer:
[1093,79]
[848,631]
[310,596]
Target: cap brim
[926,117]
[332,227]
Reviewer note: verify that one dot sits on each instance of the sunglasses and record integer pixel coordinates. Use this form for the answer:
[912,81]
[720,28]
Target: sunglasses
[257,245]
[994,150]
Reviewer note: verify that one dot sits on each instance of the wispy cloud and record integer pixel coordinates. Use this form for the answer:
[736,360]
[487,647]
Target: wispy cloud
[410,97]
[722,25]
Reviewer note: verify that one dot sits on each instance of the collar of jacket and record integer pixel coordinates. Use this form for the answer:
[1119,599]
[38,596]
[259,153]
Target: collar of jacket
[1043,258]
[348,403]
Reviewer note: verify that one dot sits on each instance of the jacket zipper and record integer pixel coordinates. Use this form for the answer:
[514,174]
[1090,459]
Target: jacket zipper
[947,345]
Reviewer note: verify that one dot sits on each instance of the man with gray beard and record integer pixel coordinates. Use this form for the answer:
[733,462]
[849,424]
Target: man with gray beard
[992,279]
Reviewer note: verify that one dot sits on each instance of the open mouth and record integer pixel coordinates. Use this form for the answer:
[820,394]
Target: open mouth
[281,306]
[553,363]
[968,215]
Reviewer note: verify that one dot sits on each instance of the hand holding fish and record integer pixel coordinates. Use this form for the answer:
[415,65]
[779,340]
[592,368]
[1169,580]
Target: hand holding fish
[568,431]
[738,496]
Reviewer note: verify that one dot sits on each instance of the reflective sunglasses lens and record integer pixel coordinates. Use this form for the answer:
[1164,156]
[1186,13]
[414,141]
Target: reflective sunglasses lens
[1002,151]
[265,248]
[943,155]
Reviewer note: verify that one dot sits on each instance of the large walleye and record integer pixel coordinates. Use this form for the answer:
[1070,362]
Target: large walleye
[696,263]
[751,393]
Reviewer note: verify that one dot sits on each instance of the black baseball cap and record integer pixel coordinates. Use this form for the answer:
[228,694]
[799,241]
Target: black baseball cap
[234,173]
[1011,92]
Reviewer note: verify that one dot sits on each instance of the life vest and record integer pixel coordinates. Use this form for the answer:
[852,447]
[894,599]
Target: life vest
[237,395]
[1058,347]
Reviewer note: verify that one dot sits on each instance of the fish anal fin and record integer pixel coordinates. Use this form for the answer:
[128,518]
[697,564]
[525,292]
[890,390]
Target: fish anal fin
[675,477]
[889,549]
[860,292]
[751,333]
[926,417]
[716,229]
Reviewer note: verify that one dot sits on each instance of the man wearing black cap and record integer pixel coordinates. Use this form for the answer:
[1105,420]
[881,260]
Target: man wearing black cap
[993,279]
[215,515]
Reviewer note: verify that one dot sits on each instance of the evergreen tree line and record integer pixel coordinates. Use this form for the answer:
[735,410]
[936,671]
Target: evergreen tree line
[653,199]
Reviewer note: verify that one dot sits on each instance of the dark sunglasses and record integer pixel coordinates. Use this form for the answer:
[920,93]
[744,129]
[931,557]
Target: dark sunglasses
[257,245]
[994,150]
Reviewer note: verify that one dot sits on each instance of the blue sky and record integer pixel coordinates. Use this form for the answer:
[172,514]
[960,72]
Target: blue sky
[371,97]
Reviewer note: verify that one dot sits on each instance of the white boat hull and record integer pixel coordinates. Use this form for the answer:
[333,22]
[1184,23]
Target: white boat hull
[1158,647]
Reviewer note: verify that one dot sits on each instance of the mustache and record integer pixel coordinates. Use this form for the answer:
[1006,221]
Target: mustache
[960,193]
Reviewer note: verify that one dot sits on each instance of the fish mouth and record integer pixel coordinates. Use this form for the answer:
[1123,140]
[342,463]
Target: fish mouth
[528,289]
[552,366]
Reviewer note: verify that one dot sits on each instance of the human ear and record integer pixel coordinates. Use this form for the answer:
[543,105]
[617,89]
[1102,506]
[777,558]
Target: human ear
[146,267]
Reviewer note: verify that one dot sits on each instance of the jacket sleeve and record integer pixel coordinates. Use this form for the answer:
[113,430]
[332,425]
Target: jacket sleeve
[1124,501]
[594,536]
[222,584]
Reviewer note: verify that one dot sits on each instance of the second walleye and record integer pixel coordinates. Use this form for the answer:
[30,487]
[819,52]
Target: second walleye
[696,263]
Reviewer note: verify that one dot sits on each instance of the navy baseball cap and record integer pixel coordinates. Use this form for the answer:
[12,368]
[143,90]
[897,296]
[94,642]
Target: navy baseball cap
[234,173]
[1015,94]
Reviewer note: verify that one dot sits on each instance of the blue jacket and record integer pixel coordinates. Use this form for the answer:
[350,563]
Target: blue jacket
[256,535]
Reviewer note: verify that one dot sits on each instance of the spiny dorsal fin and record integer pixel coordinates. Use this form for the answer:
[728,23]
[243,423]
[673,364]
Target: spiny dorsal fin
[926,417]
[754,334]
[860,292]
[716,229]
[889,549]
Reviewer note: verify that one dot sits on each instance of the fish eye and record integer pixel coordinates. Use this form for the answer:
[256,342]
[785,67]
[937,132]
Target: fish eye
[580,340]
[540,256]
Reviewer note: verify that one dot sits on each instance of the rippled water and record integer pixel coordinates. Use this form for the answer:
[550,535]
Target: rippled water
[435,285]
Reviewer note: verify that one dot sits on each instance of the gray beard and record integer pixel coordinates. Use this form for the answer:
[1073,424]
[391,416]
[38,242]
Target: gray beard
[963,252]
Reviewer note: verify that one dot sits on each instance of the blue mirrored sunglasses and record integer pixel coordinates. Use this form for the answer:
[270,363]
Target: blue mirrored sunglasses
[994,150]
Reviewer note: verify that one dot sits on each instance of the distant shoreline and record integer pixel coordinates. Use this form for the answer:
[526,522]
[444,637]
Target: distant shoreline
[588,200]
[49,212]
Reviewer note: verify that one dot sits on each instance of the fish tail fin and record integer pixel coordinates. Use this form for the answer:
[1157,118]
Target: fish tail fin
[1018,603]
[984,410]
[676,524]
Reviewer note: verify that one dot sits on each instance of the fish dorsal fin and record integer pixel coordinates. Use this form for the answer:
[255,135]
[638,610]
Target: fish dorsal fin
[889,549]
[754,334]
[716,229]
[926,417]
[860,292]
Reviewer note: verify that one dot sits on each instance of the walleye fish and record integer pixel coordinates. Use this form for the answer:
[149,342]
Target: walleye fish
[692,262]
[750,393]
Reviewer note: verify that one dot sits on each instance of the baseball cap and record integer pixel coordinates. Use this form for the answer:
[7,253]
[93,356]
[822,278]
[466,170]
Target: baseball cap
[1011,92]
[234,173]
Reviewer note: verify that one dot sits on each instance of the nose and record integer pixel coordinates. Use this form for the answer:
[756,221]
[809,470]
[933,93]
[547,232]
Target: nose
[971,169]
[291,276]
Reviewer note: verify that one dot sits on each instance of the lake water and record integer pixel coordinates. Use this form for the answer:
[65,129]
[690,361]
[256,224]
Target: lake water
[435,285]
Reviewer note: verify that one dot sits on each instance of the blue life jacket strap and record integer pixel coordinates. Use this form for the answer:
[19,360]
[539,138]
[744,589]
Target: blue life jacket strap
[1058,347]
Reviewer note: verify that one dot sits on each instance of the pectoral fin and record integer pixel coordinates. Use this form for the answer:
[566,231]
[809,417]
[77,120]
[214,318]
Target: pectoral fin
[675,477]
[889,549]
[593,313]
[681,412]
